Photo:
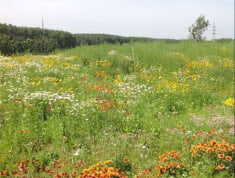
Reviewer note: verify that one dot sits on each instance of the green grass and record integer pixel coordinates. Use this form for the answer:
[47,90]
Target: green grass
[102,106]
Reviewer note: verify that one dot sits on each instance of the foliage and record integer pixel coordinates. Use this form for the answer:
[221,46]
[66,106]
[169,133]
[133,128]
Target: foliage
[34,40]
[198,28]
[15,40]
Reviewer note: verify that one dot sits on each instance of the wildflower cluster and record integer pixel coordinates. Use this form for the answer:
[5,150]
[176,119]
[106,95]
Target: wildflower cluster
[118,79]
[175,86]
[103,63]
[105,104]
[101,74]
[199,64]
[102,169]
[229,102]
[145,173]
[23,168]
[226,62]
[100,88]
[220,151]
[202,145]
[153,74]
[57,169]
[169,163]
[195,77]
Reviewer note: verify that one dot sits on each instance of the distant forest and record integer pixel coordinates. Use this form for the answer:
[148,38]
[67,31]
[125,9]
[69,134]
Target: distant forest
[14,40]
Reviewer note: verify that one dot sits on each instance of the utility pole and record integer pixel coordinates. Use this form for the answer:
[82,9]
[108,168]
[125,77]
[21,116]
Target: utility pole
[213,31]
[42,24]
[41,44]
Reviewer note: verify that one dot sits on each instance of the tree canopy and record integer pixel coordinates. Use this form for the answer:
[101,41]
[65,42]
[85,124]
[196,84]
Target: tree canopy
[15,39]
[198,28]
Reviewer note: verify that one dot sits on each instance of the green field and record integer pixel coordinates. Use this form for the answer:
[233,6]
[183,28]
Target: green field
[138,110]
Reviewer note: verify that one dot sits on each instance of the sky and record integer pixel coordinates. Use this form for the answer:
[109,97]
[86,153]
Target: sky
[146,18]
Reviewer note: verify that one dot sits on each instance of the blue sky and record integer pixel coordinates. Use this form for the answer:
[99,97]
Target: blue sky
[149,18]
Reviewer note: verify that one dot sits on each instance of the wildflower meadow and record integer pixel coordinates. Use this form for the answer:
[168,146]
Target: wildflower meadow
[156,109]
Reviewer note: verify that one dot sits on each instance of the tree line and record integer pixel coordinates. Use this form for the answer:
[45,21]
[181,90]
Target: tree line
[34,40]
[15,40]
[94,39]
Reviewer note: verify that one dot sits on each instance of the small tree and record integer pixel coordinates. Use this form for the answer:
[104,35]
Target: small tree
[198,28]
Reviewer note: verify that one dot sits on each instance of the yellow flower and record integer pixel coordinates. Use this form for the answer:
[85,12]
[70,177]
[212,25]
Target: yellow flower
[229,102]
[69,90]
[38,83]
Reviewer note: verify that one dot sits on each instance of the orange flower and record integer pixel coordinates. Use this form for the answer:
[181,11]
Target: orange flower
[23,130]
[66,163]
[173,152]
[64,174]
[176,155]
[108,162]
[15,173]
[74,174]
[221,155]
[127,113]
[167,166]
[229,158]
[146,171]
[57,176]
[193,174]
[221,166]
[78,166]
[159,174]
[209,150]
[179,124]
[194,153]
[216,167]
[63,158]
[174,165]
[125,160]
[181,164]
[209,133]
[163,157]
[158,166]
[65,139]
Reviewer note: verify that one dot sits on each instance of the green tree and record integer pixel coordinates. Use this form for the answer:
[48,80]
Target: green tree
[6,45]
[198,28]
